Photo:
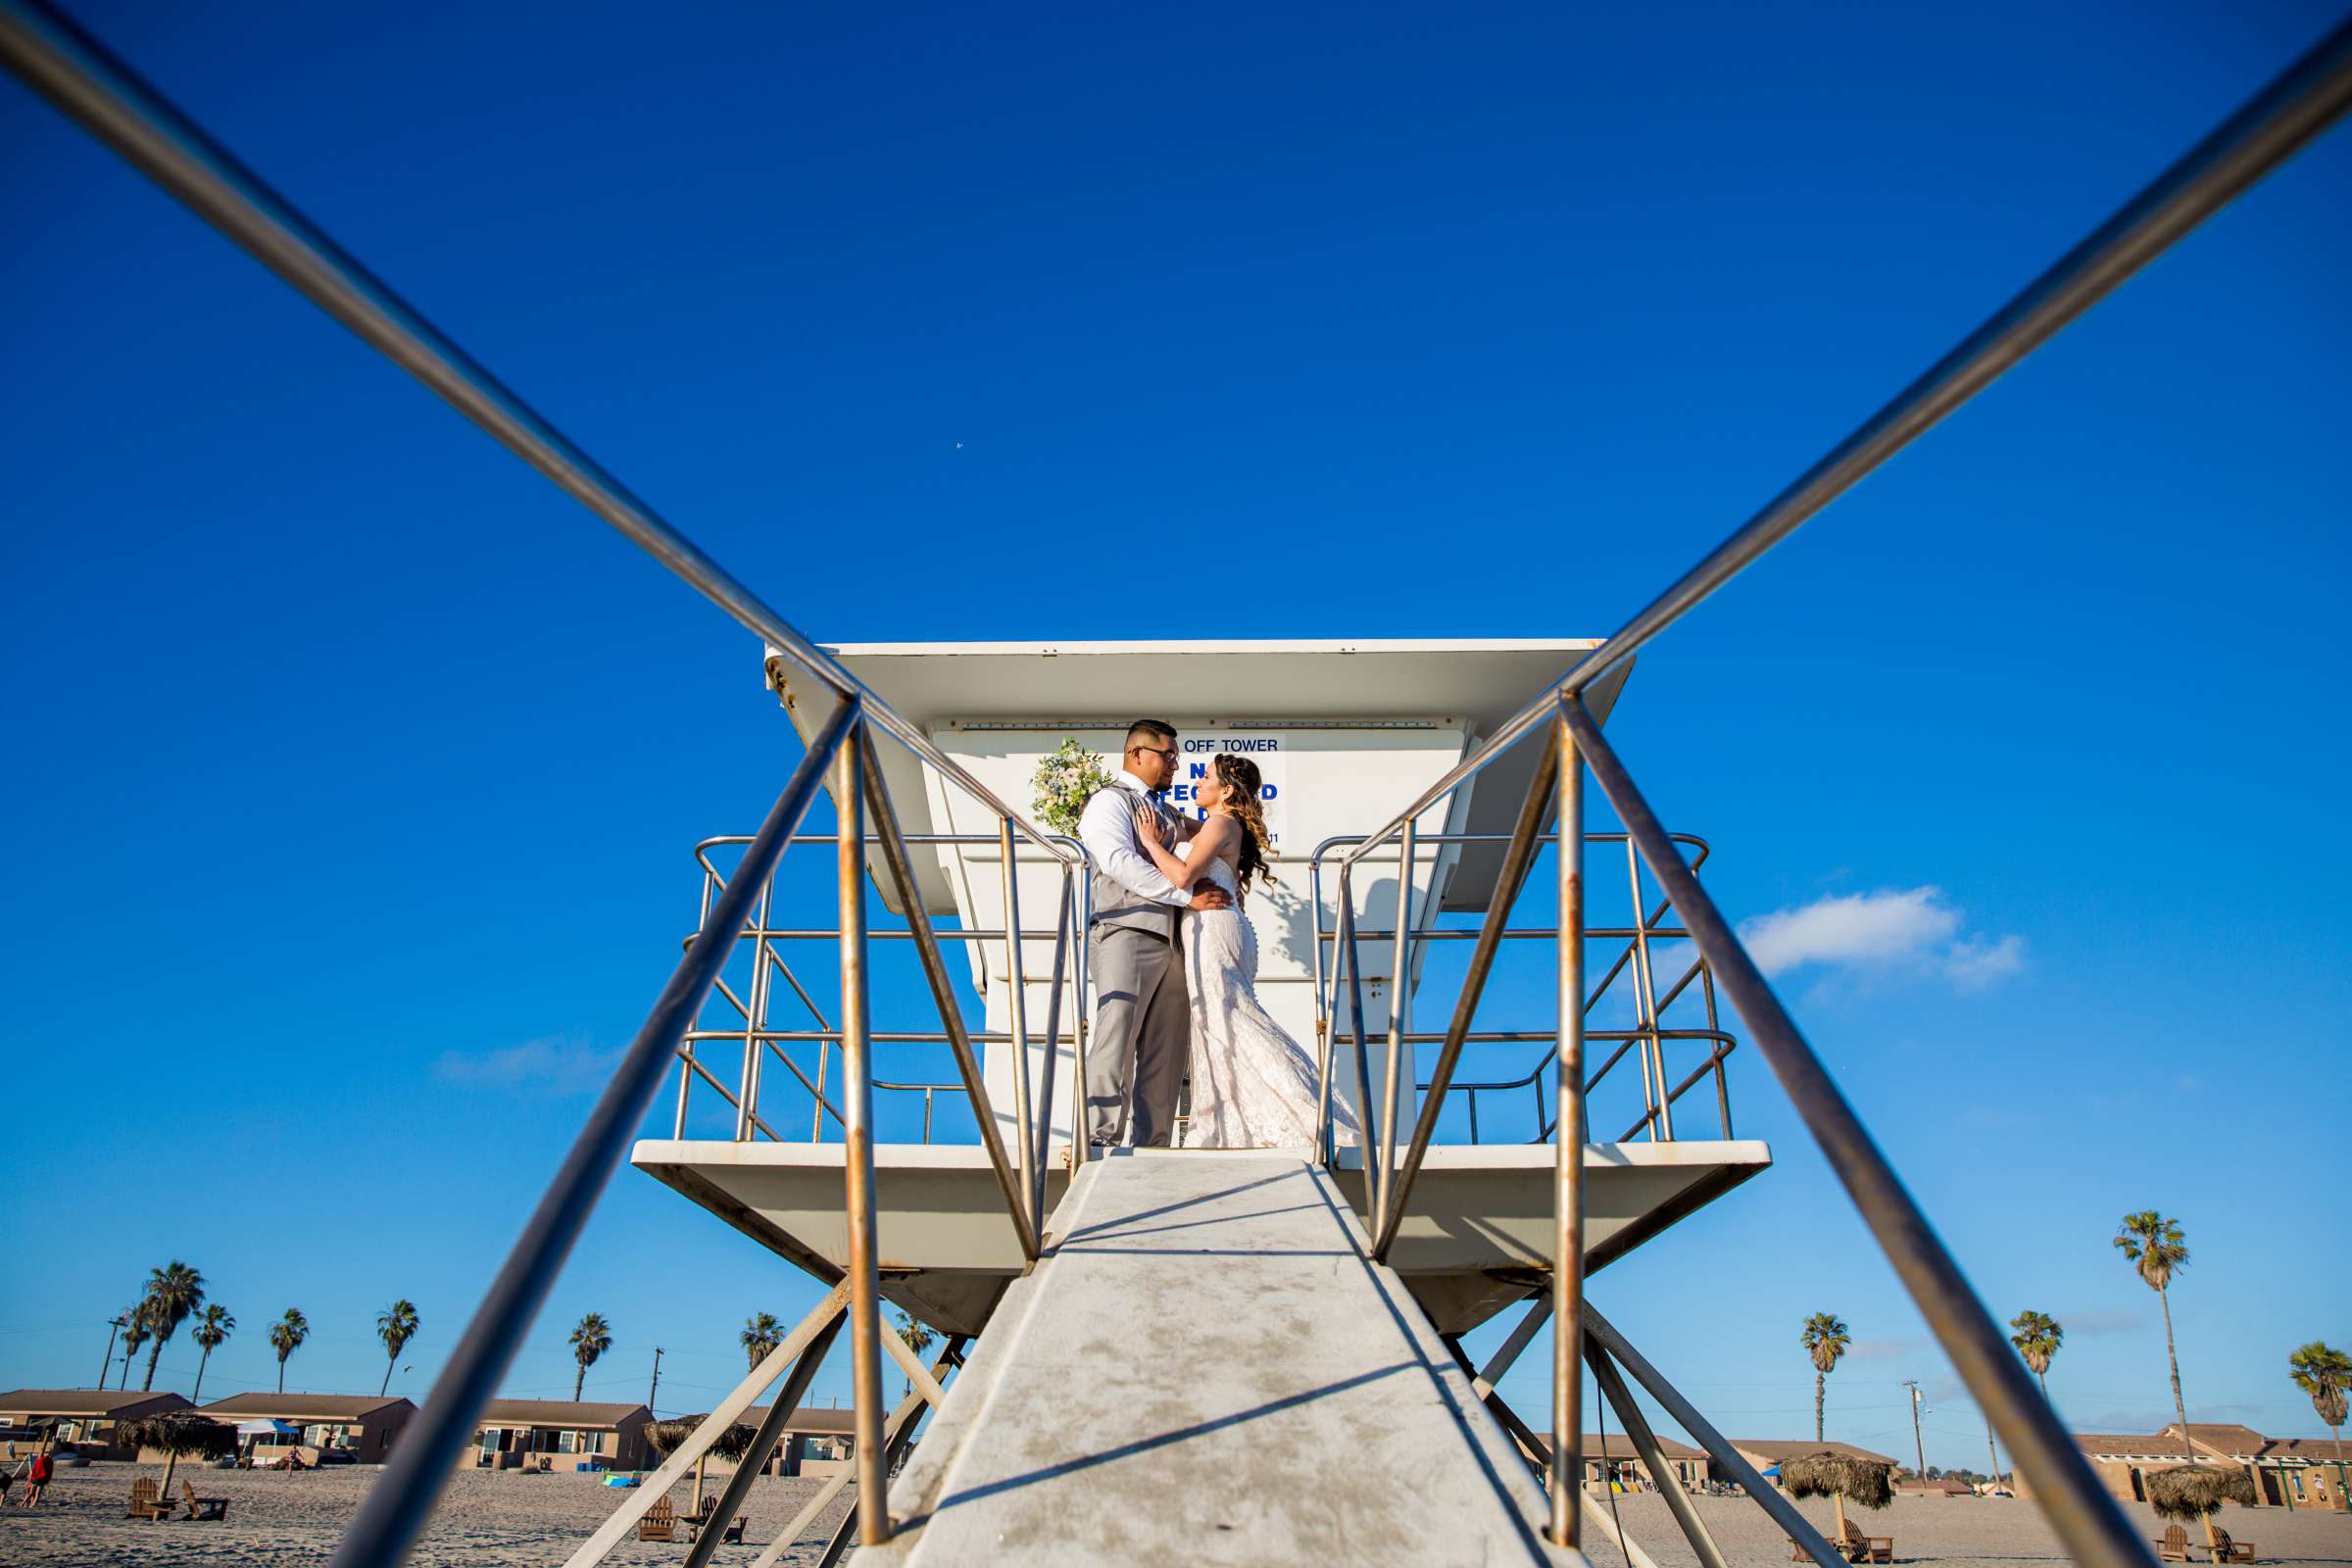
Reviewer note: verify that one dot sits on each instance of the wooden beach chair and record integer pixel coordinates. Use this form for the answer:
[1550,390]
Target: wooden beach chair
[203,1507]
[700,1520]
[147,1500]
[732,1536]
[660,1522]
[2173,1547]
[2225,1549]
[1860,1547]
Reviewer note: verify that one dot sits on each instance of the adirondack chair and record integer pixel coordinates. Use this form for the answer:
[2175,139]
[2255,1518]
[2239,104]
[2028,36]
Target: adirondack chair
[733,1533]
[147,1499]
[2225,1549]
[660,1522]
[1859,1548]
[700,1520]
[2173,1547]
[203,1507]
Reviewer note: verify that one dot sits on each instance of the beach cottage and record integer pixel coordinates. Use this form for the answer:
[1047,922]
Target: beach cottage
[83,1419]
[558,1435]
[329,1428]
[2287,1472]
[1614,1458]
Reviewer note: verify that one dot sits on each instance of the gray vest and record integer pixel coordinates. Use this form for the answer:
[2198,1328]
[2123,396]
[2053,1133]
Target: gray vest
[1120,907]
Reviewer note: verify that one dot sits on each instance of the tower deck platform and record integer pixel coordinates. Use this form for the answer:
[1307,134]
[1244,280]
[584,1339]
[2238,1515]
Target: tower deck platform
[1206,1368]
[1476,1234]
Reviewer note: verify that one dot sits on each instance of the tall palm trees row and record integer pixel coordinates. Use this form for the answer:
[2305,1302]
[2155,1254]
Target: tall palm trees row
[175,1294]
[2157,1248]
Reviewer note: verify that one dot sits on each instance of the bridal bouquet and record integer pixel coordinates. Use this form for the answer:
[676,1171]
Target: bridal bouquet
[1066,777]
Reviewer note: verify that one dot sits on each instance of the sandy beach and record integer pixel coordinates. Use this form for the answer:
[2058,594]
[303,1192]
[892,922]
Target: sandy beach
[504,1519]
[507,1520]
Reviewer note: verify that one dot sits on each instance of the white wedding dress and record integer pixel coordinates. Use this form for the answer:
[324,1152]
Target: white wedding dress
[1253,1085]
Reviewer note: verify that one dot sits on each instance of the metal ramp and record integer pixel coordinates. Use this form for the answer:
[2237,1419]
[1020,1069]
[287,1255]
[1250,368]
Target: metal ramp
[1207,1364]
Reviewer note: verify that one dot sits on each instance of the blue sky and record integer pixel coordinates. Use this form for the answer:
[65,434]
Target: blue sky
[353,771]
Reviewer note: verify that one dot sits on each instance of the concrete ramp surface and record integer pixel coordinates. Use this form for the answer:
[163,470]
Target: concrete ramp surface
[1205,1369]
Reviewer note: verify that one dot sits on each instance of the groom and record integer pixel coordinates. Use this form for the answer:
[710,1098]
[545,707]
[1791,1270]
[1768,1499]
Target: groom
[1142,1018]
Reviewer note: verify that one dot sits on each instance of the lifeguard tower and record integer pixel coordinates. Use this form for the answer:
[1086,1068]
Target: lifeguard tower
[1341,732]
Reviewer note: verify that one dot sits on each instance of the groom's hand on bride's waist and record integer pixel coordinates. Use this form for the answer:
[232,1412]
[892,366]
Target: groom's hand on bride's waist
[1208,895]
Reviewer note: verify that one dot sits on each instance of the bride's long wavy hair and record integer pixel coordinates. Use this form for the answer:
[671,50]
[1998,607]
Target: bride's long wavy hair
[1242,782]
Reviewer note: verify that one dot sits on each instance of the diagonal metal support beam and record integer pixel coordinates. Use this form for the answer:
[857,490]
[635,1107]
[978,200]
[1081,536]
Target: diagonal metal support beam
[896,1435]
[2086,1517]
[1719,1449]
[1653,1457]
[913,1366]
[780,1407]
[1539,1454]
[396,1509]
[1526,838]
[1538,1313]
[943,993]
[823,1318]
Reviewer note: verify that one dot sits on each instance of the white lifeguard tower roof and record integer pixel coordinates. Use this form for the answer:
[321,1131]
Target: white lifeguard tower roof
[1300,684]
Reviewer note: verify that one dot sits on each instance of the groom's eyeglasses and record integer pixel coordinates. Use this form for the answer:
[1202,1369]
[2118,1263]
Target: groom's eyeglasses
[1169,753]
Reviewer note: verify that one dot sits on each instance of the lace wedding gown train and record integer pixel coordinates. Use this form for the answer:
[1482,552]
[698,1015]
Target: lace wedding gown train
[1253,1087]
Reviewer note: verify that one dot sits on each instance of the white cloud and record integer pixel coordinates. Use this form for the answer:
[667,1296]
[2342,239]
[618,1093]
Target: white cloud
[1889,931]
[1976,961]
[554,1065]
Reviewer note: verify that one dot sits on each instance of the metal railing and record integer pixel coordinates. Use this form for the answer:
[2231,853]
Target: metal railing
[1646,1040]
[757,1038]
[87,83]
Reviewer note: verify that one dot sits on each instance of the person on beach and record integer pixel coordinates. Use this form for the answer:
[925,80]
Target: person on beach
[37,1476]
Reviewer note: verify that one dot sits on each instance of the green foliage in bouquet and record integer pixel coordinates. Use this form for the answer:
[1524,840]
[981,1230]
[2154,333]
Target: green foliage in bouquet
[1066,777]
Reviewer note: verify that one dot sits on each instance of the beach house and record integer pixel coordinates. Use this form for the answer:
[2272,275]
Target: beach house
[329,1428]
[1613,1457]
[558,1435]
[82,1418]
[2287,1472]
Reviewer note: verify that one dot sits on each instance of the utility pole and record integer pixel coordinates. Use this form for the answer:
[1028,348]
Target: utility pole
[1918,1449]
[1993,1451]
[656,1387]
[114,1327]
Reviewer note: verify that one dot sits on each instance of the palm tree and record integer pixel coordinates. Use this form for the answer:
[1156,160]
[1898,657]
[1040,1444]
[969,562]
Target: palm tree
[212,1328]
[2037,1338]
[2157,1248]
[1825,1340]
[918,1336]
[396,1327]
[134,1335]
[286,1337]
[761,1334]
[592,1338]
[173,1293]
[2324,1372]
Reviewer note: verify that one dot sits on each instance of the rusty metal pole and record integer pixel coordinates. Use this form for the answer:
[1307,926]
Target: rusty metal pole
[858,1118]
[1016,997]
[1568,1161]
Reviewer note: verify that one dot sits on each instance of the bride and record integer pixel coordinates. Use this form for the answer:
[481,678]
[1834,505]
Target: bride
[1252,1086]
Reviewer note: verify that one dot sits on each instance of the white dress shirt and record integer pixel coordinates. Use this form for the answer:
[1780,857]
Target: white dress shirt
[1107,827]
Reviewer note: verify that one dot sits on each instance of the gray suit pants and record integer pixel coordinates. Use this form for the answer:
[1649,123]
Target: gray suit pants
[1142,1037]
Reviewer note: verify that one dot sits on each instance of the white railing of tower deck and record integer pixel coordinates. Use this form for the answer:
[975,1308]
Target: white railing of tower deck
[89,84]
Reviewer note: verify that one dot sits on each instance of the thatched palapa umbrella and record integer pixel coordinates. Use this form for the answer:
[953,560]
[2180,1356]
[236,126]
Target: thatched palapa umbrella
[1838,1477]
[181,1433]
[2198,1492]
[733,1444]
